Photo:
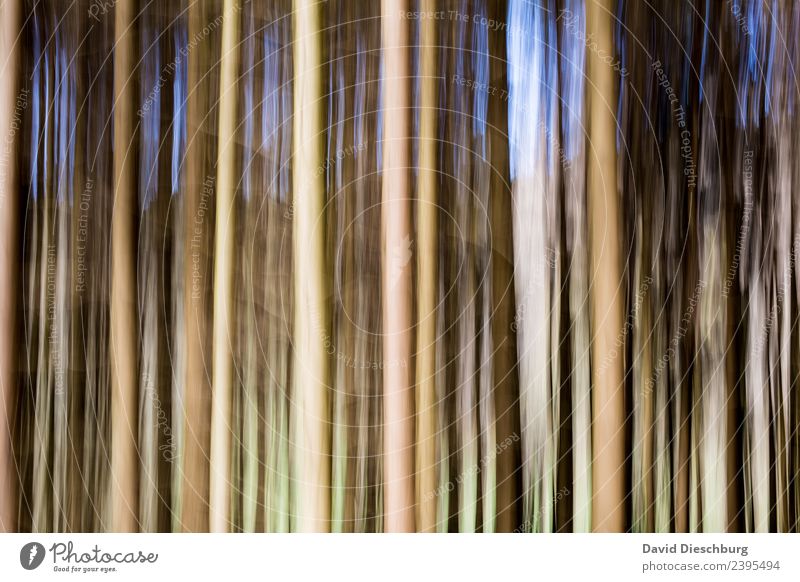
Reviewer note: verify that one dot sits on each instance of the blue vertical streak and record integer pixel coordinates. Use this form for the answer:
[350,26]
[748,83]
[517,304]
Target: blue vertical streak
[619,38]
[459,91]
[572,75]
[481,67]
[551,86]
[360,89]
[526,79]
[329,134]
[35,108]
[46,128]
[268,96]
[340,116]
[770,57]
[248,59]
[61,119]
[286,94]
[794,24]
[178,107]
[72,127]
[151,117]
[705,48]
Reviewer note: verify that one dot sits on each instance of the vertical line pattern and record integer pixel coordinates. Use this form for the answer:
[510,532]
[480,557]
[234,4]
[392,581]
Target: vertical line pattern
[311,424]
[608,400]
[220,499]
[396,211]
[124,358]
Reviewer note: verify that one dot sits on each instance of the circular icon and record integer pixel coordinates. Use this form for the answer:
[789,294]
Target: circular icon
[31,555]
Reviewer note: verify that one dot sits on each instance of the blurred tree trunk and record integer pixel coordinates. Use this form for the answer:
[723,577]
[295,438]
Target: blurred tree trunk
[124,323]
[220,498]
[397,272]
[608,402]
[10,122]
[311,422]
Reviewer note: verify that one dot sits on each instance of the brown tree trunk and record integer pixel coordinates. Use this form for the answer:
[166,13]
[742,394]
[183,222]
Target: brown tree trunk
[197,205]
[124,324]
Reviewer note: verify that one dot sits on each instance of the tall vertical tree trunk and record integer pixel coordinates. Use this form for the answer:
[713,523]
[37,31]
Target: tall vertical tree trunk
[577,397]
[220,498]
[427,269]
[311,425]
[10,121]
[608,401]
[124,323]
[506,389]
[397,273]
[198,193]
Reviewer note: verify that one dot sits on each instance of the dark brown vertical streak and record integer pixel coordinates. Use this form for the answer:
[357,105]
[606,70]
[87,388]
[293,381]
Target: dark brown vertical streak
[78,499]
[197,237]
[506,389]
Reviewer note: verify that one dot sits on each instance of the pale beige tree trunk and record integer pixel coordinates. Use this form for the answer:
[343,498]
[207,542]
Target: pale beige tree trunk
[608,398]
[311,423]
[427,268]
[12,104]
[398,392]
[124,325]
[220,498]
